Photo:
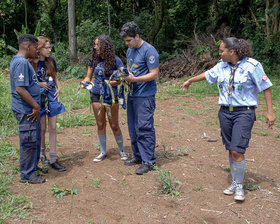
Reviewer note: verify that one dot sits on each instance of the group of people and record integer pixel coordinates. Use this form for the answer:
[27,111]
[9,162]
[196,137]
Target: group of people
[239,77]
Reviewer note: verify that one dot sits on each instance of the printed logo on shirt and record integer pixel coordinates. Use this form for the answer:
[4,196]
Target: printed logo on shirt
[35,78]
[21,77]
[152,59]
[264,77]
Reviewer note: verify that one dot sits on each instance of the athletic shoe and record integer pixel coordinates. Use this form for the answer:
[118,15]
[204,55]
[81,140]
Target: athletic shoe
[123,156]
[231,189]
[37,180]
[100,157]
[239,193]
[57,166]
[143,169]
[44,160]
[132,162]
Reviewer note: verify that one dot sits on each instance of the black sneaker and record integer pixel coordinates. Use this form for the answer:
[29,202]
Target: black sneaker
[143,169]
[57,166]
[42,170]
[44,160]
[37,180]
[132,162]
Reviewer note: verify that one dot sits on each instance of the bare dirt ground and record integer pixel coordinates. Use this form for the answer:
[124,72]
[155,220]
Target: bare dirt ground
[181,122]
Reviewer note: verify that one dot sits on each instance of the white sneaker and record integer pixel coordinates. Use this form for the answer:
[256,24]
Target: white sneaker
[239,193]
[231,189]
[100,157]
[124,156]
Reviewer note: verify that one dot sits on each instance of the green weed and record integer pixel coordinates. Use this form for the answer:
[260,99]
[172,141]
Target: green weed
[190,111]
[227,169]
[182,152]
[95,183]
[59,193]
[167,185]
[197,188]
[250,186]
[264,134]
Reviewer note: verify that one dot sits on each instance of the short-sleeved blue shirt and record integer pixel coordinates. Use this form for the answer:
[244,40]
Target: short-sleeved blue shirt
[249,80]
[140,61]
[41,70]
[23,74]
[99,74]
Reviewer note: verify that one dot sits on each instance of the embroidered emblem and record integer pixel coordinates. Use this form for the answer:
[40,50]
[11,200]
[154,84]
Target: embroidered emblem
[21,76]
[239,88]
[264,77]
[152,59]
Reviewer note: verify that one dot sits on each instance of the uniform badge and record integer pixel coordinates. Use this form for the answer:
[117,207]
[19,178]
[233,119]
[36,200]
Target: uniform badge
[264,77]
[152,59]
[221,86]
[239,88]
[21,77]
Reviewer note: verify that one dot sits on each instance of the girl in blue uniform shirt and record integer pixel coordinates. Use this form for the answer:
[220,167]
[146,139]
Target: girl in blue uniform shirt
[50,105]
[240,79]
[102,65]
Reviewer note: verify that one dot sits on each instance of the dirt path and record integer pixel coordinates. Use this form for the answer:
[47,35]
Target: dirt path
[181,122]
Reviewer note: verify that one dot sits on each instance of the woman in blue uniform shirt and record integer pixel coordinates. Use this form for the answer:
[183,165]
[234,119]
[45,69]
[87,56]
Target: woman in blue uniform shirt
[102,65]
[240,79]
[50,104]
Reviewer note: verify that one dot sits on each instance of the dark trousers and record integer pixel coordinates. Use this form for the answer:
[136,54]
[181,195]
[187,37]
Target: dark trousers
[29,145]
[140,119]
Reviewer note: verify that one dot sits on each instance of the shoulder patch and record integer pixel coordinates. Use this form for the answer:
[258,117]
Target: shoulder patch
[252,61]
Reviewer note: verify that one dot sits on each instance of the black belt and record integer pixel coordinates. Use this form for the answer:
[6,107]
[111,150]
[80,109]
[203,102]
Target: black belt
[237,108]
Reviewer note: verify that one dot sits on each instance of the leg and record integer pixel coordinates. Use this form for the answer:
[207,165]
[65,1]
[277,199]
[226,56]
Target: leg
[132,117]
[146,133]
[114,124]
[101,129]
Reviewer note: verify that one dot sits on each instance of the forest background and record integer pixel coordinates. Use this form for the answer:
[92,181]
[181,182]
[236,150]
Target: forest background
[185,32]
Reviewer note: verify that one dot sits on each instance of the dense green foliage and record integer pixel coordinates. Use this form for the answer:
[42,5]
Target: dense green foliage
[169,25]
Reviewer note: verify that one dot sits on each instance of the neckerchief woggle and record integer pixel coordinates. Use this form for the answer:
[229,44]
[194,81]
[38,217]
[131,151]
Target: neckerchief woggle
[53,107]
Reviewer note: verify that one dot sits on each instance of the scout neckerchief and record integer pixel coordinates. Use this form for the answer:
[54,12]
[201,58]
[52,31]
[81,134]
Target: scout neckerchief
[231,77]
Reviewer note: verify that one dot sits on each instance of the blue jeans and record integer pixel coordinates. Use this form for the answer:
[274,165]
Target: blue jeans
[140,119]
[29,145]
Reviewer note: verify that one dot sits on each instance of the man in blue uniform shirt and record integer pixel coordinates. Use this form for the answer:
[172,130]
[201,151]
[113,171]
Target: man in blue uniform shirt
[142,64]
[25,105]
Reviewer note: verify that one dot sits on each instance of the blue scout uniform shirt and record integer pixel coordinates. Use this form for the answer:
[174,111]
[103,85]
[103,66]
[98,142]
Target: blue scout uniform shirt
[139,61]
[41,70]
[23,74]
[249,80]
[99,74]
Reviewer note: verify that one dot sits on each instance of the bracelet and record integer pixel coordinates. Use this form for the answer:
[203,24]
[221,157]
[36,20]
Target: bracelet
[35,110]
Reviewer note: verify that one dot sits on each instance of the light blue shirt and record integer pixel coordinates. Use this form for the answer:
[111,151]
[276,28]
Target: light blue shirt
[249,80]
[140,61]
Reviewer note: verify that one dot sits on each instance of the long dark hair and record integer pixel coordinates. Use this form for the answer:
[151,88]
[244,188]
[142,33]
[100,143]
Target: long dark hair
[108,51]
[242,47]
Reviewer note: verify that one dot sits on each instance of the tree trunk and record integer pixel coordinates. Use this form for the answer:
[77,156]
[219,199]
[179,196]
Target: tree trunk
[25,13]
[267,19]
[159,6]
[109,20]
[52,11]
[72,32]
[275,18]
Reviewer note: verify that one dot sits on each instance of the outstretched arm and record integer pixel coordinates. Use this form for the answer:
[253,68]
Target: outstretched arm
[270,115]
[197,78]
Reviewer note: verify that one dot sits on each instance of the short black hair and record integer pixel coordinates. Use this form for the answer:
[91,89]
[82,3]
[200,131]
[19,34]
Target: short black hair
[27,38]
[129,29]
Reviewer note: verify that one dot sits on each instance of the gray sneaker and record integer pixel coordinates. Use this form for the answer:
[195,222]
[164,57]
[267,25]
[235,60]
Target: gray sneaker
[231,189]
[239,193]
[100,157]
[124,155]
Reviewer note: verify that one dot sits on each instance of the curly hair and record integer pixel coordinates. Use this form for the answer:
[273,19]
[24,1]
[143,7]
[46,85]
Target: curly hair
[242,47]
[108,53]
[50,68]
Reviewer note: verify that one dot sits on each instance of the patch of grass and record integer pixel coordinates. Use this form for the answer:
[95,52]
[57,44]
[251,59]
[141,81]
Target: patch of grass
[278,137]
[172,136]
[210,123]
[250,186]
[190,111]
[227,169]
[182,152]
[87,133]
[264,134]
[197,188]
[70,120]
[95,183]
[10,205]
[165,154]
[167,185]
[59,193]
